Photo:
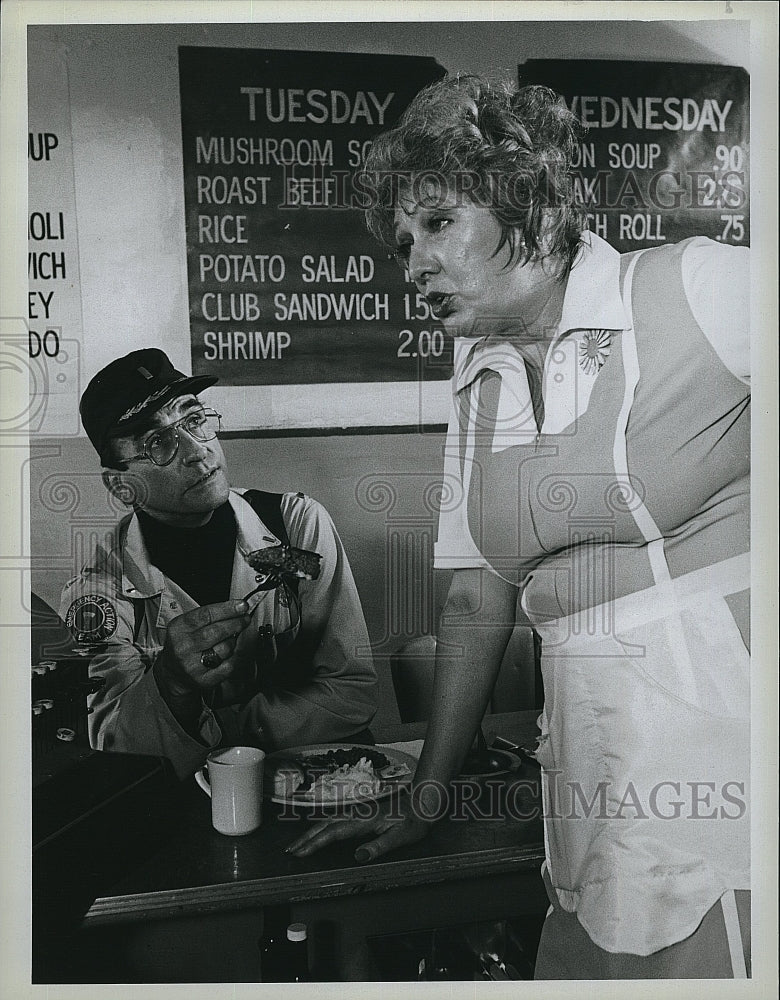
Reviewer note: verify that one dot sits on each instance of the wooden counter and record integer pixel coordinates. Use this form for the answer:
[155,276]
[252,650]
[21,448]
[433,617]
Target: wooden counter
[185,883]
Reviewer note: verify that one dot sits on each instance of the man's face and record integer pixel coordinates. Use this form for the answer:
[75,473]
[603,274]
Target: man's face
[187,490]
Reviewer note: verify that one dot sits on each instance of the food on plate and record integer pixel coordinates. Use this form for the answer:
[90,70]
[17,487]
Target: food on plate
[286,560]
[288,777]
[337,775]
[349,781]
[346,755]
[394,771]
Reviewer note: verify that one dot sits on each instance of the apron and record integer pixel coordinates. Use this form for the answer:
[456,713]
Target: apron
[644,740]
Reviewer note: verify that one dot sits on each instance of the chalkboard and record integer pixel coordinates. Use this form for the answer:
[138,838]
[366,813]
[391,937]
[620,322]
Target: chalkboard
[286,287]
[666,152]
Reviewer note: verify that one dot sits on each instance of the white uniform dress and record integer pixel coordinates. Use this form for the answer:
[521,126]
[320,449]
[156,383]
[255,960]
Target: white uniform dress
[624,519]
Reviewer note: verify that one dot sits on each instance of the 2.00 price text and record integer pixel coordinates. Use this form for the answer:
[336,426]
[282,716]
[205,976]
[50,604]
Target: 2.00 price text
[425,344]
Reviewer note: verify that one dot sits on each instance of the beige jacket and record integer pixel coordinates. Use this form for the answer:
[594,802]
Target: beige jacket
[331,697]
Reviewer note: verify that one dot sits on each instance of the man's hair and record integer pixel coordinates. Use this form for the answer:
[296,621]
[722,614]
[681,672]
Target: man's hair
[507,149]
[110,460]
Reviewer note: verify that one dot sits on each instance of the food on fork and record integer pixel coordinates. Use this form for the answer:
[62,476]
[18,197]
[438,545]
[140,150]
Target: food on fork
[286,560]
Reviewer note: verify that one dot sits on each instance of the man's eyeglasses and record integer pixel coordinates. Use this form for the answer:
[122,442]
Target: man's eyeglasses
[162,446]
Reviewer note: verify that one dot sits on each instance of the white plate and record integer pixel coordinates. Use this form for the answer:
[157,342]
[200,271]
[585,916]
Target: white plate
[300,754]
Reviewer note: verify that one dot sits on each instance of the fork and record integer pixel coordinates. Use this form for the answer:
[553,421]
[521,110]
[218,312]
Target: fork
[245,556]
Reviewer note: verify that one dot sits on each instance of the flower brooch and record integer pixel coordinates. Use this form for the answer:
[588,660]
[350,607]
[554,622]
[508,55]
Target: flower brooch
[594,350]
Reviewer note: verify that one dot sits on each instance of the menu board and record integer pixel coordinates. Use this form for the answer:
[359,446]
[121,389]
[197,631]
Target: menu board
[54,325]
[665,154]
[286,286]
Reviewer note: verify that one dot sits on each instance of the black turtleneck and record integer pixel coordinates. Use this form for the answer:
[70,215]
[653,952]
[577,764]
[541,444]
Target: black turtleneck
[199,560]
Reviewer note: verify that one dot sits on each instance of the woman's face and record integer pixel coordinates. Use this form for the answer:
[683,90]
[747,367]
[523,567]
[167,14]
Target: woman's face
[449,249]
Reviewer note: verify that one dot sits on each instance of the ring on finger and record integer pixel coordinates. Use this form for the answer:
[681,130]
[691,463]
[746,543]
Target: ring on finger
[210,658]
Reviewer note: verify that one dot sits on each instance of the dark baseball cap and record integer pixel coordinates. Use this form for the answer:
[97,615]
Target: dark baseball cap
[122,397]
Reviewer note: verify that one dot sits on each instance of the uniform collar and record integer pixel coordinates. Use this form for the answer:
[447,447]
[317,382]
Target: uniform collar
[592,300]
[141,578]
[253,533]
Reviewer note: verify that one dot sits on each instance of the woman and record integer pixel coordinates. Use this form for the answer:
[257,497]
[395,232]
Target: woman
[599,447]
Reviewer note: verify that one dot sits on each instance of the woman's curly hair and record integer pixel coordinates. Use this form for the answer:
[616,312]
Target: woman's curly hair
[498,146]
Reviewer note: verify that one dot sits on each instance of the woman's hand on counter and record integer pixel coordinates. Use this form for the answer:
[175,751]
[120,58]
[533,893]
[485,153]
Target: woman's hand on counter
[394,829]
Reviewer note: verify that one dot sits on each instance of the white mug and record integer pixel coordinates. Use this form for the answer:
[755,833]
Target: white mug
[235,786]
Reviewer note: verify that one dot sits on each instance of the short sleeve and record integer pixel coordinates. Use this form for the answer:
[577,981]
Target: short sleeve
[716,278]
[455,547]
[467,432]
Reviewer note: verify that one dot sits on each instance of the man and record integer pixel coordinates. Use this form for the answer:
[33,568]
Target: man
[196,648]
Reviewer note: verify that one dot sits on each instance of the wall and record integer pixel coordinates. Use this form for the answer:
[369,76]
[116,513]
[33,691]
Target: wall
[123,84]
[123,87]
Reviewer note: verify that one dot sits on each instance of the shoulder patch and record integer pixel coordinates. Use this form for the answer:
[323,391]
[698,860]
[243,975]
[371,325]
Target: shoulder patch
[91,619]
